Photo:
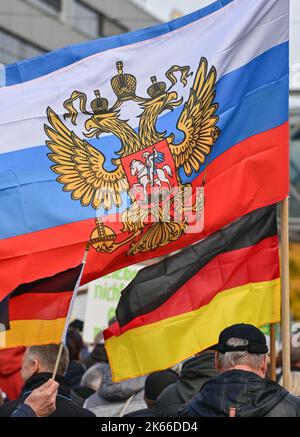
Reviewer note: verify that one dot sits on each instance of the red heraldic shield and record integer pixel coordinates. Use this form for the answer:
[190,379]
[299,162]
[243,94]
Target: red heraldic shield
[151,174]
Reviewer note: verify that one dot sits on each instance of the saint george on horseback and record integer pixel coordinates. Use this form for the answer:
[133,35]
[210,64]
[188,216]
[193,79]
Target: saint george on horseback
[151,160]
[147,173]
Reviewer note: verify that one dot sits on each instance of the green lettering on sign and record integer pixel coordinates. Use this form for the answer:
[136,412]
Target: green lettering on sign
[109,293]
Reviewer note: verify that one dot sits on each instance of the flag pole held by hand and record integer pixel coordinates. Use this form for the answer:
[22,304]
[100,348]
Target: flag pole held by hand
[61,346]
[57,360]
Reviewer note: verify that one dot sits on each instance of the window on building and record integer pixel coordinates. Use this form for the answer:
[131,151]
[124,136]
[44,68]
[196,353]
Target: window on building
[53,4]
[87,20]
[112,27]
[92,23]
[13,48]
[53,7]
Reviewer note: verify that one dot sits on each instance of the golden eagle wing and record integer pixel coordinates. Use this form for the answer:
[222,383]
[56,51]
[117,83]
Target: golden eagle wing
[198,122]
[80,167]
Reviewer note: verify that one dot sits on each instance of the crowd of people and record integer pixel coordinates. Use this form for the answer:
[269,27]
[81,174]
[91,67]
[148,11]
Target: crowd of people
[229,379]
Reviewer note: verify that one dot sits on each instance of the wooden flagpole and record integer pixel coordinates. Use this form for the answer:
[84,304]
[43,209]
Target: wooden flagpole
[61,346]
[57,360]
[285,293]
[273,351]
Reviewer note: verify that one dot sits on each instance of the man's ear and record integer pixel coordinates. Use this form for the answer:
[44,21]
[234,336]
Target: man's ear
[264,365]
[36,366]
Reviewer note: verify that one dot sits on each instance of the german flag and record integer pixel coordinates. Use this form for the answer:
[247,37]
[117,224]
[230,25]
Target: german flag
[178,307]
[35,313]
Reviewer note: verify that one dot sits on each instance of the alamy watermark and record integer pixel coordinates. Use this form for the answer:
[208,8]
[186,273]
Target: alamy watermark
[184,204]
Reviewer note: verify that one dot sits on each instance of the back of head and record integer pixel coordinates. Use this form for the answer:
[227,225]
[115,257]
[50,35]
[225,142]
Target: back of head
[74,344]
[77,325]
[230,360]
[156,383]
[38,359]
[242,345]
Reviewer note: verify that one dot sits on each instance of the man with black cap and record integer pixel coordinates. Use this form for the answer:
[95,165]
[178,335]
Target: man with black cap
[241,389]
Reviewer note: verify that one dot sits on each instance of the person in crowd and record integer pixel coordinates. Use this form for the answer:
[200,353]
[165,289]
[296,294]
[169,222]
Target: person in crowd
[241,389]
[40,403]
[155,384]
[295,383]
[295,360]
[115,399]
[37,368]
[77,325]
[75,369]
[195,372]
[89,384]
[98,354]
[11,381]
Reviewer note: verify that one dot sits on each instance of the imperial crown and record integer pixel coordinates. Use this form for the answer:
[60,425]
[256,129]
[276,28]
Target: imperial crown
[99,105]
[123,84]
[157,88]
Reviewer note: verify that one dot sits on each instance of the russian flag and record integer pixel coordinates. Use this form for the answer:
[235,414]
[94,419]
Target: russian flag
[44,229]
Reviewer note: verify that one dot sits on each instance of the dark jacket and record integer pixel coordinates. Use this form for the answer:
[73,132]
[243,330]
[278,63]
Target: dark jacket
[248,393]
[23,410]
[64,405]
[74,373]
[80,394]
[194,374]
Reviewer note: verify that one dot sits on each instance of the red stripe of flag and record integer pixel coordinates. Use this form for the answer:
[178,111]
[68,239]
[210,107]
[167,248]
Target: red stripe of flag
[44,306]
[236,184]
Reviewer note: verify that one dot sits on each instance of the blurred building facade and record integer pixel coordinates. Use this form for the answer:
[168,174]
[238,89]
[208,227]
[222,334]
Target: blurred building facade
[31,27]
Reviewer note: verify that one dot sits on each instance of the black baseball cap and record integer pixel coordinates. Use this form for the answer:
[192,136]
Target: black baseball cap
[256,339]
[156,382]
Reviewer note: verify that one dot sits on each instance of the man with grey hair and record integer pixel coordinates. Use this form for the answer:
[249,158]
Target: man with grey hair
[37,368]
[241,389]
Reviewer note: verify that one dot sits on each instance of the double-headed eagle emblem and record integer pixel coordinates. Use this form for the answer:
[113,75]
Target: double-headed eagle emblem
[149,159]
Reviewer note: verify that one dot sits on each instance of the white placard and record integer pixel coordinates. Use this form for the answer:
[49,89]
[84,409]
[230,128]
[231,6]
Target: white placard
[102,299]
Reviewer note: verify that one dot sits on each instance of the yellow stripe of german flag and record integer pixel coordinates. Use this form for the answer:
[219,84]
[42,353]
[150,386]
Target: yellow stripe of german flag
[32,332]
[139,350]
